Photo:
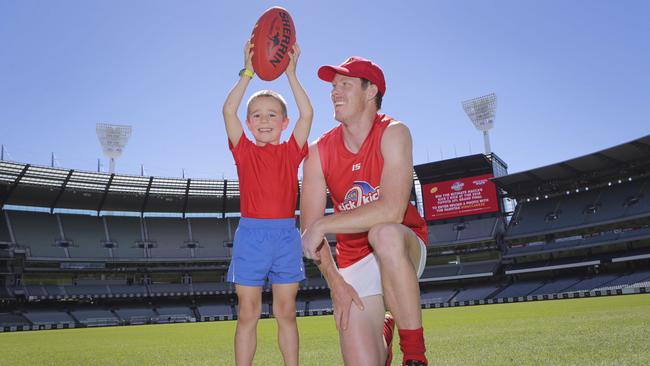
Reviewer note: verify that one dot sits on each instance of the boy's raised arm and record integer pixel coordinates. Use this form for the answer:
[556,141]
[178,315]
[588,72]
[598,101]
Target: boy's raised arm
[303,125]
[234,127]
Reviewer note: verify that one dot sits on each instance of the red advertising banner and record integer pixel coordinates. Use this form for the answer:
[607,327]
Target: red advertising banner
[459,197]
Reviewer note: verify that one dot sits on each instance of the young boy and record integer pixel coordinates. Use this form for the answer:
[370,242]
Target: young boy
[267,243]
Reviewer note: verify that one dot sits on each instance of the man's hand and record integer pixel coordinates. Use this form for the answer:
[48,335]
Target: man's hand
[343,295]
[312,241]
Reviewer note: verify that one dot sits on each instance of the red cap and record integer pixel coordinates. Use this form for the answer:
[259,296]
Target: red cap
[357,67]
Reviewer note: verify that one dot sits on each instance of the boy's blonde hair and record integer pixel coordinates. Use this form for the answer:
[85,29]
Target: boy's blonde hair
[267,93]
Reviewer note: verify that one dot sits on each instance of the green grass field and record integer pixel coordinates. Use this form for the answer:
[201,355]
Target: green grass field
[593,331]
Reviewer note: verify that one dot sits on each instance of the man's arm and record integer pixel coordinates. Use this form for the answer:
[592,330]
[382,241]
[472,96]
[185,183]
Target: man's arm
[394,193]
[312,207]
[303,125]
[234,127]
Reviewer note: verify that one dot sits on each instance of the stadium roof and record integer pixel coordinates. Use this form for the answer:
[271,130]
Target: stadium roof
[631,159]
[29,185]
[56,188]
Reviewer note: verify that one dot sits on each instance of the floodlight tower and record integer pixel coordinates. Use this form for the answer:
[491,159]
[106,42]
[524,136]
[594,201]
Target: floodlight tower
[113,139]
[482,111]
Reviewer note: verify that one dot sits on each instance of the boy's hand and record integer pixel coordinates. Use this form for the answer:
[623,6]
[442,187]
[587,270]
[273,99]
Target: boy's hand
[248,56]
[293,59]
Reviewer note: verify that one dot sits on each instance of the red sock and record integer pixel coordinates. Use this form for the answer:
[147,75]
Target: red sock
[411,342]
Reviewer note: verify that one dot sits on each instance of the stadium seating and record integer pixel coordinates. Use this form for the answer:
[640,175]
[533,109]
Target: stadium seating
[127,290]
[41,242]
[469,268]
[474,293]
[556,287]
[87,290]
[210,234]
[137,315]
[169,236]
[319,306]
[95,317]
[86,234]
[626,280]
[517,289]
[125,233]
[11,320]
[620,201]
[589,284]
[175,314]
[468,231]
[211,288]
[49,319]
[169,289]
[446,270]
[312,283]
[430,296]
[215,311]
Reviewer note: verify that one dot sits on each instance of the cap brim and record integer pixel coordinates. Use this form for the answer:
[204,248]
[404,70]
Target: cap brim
[327,73]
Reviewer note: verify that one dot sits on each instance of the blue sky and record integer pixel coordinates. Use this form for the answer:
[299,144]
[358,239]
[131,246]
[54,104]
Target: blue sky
[571,76]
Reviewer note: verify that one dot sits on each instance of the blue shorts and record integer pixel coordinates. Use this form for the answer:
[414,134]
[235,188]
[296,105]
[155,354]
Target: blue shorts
[266,248]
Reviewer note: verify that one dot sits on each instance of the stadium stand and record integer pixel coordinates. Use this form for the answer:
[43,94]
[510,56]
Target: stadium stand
[49,319]
[136,315]
[557,286]
[588,284]
[319,306]
[175,314]
[169,289]
[431,296]
[517,289]
[218,311]
[41,242]
[86,234]
[95,317]
[82,291]
[474,293]
[212,288]
[586,209]
[113,249]
[11,322]
[210,235]
[169,237]
[626,280]
[126,236]
[127,290]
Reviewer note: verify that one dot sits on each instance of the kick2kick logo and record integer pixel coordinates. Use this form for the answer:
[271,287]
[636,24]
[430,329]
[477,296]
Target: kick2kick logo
[360,194]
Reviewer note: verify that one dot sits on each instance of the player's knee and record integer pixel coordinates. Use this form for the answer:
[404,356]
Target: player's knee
[249,311]
[387,240]
[284,310]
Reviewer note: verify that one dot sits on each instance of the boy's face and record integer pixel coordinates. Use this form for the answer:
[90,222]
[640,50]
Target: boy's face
[266,120]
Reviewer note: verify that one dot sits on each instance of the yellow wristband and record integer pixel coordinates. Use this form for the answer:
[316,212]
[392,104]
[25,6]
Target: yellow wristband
[246,72]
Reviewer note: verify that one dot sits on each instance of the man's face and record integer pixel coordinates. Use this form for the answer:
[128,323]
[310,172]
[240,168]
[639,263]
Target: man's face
[266,120]
[348,96]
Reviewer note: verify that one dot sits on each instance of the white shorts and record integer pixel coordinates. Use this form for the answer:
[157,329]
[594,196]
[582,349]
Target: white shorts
[364,275]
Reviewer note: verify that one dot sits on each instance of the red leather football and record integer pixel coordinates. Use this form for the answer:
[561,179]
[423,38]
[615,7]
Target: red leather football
[273,38]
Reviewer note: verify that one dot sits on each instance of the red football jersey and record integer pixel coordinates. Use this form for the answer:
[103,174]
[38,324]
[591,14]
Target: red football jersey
[353,180]
[268,177]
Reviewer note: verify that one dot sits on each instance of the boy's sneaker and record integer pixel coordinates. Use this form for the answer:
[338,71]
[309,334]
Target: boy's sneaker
[389,327]
[414,363]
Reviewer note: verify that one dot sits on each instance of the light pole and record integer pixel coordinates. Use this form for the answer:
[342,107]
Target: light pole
[113,139]
[482,111]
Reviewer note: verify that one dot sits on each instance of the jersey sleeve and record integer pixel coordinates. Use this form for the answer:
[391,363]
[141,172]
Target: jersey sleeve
[243,145]
[295,152]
